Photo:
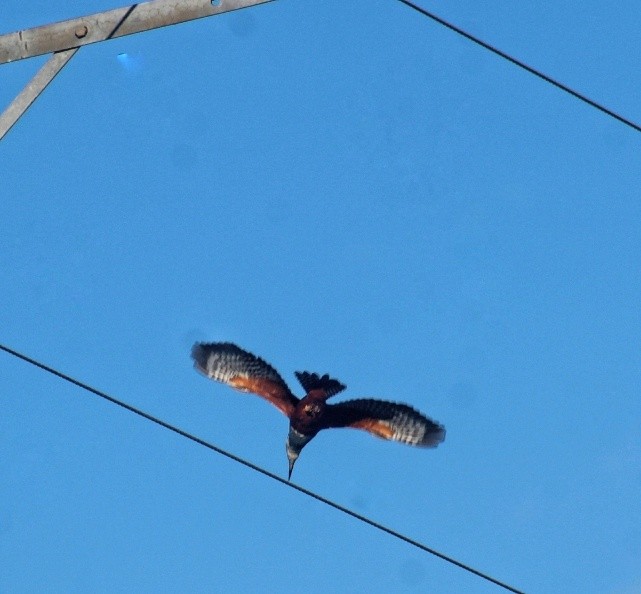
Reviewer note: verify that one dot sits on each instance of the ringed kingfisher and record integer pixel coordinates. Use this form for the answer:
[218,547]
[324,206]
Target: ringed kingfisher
[227,363]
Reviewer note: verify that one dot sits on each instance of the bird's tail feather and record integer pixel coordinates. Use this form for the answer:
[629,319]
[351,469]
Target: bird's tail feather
[312,381]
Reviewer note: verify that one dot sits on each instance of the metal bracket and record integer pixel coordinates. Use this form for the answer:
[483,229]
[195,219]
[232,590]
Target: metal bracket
[66,37]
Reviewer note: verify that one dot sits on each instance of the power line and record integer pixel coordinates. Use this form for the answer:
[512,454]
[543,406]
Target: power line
[523,65]
[267,473]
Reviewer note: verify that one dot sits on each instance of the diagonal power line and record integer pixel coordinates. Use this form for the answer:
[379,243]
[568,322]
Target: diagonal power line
[522,65]
[252,466]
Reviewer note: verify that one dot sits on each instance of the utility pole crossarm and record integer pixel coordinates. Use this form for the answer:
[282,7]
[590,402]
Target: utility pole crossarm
[64,38]
[109,25]
[35,86]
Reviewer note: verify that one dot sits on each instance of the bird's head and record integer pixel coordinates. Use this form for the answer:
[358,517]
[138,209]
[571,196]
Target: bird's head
[292,456]
[295,443]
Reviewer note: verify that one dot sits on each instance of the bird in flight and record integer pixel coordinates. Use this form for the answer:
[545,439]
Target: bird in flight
[231,365]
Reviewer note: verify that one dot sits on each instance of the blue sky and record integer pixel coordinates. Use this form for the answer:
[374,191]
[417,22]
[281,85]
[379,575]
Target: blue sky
[345,188]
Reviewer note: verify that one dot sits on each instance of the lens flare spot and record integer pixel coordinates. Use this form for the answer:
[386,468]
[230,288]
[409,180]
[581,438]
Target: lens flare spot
[130,63]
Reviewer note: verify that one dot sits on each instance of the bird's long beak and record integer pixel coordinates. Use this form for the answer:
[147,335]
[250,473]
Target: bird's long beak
[291,467]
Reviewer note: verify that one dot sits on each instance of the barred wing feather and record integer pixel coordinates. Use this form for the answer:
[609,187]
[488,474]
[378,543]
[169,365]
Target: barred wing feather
[388,420]
[227,363]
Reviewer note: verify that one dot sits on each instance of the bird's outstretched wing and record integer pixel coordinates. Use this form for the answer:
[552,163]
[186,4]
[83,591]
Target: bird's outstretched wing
[388,420]
[227,363]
